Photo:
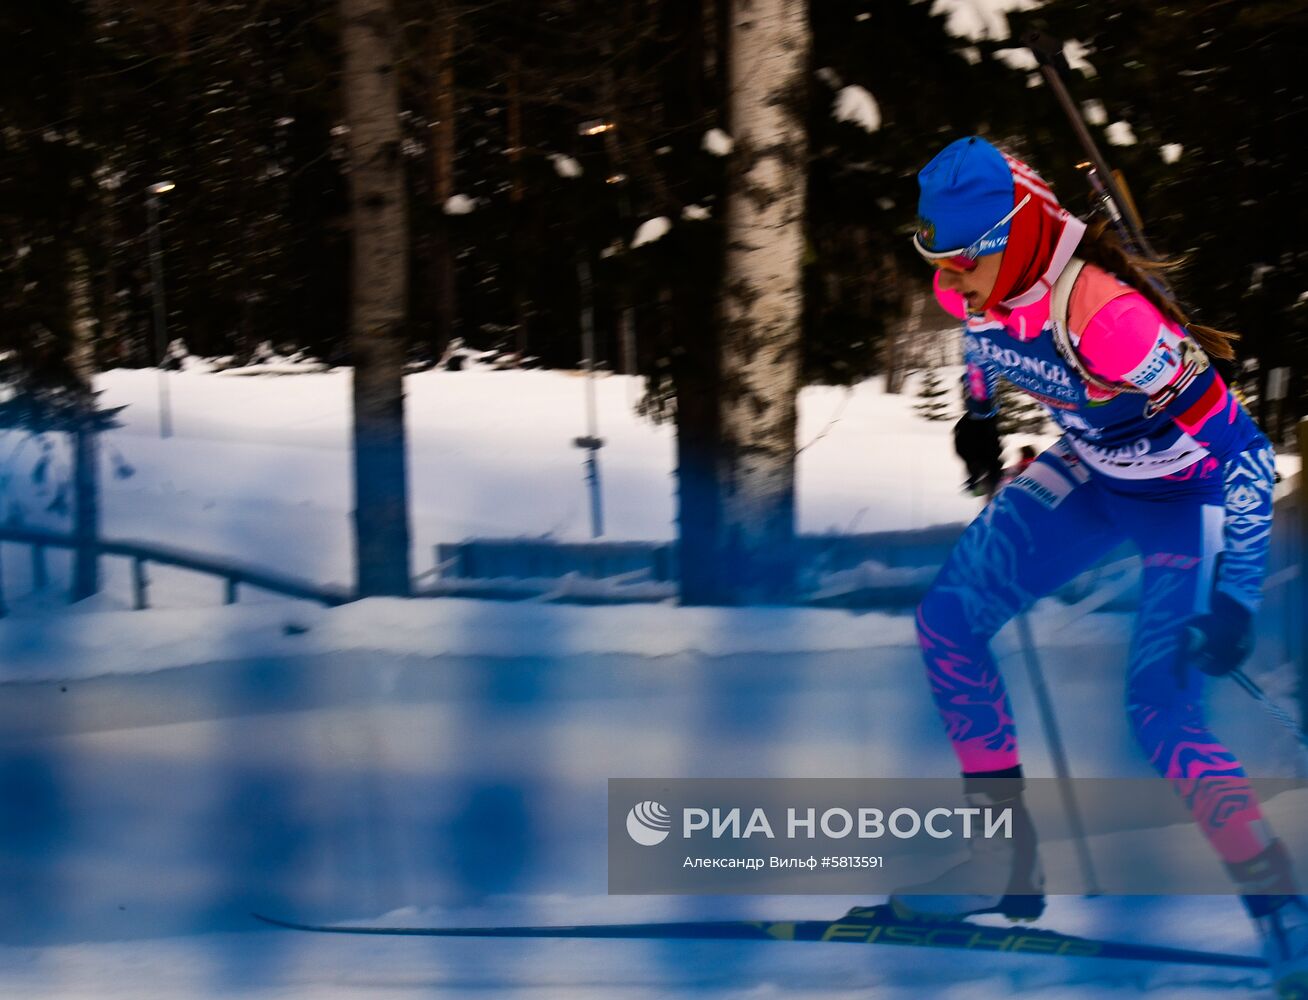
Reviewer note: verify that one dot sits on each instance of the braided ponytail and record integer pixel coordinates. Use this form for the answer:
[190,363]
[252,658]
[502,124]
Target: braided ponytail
[1101,246]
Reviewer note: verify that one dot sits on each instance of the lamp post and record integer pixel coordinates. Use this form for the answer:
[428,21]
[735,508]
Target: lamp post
[591,441]
[157,294]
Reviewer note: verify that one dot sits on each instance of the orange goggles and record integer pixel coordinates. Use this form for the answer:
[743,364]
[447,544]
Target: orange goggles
[965,260]
[959,263]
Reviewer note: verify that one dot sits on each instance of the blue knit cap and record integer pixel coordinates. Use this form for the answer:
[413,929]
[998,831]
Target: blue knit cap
[965,190]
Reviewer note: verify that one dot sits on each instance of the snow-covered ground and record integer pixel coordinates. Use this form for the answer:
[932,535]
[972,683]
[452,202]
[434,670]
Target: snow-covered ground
[167,772]
[163,773]
[258,467]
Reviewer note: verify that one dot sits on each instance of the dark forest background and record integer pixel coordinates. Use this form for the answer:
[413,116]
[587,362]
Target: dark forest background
[240,105]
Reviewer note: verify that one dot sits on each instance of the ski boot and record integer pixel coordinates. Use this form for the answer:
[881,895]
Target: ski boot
[1281,916]
[1002,875]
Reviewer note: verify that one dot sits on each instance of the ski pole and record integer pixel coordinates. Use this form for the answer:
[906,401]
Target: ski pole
[1282,717]
[1046,706]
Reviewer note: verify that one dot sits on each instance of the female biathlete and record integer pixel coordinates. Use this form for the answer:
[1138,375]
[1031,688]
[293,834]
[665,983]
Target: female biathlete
[1155,450]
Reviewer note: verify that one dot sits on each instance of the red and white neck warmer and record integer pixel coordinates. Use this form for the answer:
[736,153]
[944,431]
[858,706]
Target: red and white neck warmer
[1041,240]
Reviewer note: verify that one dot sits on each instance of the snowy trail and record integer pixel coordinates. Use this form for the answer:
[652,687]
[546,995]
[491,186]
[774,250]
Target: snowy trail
[161,807]
[267,966]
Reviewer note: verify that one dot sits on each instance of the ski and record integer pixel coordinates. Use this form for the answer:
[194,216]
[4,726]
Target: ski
[862,925]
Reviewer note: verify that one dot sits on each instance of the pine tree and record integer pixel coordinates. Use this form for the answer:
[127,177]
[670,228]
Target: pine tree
[1019,413]
[933,397]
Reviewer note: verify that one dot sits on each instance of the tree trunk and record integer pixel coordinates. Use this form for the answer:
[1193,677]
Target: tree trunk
[901,332]
[378,295]
[517,194]
[86,441]
[699,490]
[688,306]
[762,297]
[443,149]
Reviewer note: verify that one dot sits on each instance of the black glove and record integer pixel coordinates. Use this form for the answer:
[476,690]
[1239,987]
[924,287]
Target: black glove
[1219,641]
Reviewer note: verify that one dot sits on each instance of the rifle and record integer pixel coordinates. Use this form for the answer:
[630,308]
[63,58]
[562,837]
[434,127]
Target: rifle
[1109,191]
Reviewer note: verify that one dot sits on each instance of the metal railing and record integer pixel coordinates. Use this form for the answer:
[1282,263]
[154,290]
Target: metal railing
[141,554]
